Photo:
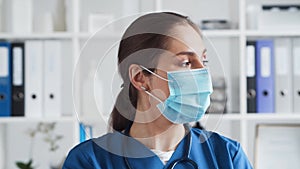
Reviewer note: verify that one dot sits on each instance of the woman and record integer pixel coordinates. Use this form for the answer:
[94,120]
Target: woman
[166,86]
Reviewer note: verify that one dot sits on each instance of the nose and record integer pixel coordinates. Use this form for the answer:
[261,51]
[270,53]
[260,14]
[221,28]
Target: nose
[197,64]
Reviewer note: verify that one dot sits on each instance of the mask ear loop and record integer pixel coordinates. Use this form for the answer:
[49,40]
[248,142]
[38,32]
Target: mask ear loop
[143,88]
[154,73]
[150,94]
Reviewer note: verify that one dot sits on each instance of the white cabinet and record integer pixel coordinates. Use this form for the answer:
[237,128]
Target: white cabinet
[72,26]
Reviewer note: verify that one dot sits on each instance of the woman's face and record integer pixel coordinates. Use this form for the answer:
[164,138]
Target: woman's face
[187,52]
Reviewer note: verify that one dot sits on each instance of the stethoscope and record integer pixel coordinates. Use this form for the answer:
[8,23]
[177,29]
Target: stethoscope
[184,160]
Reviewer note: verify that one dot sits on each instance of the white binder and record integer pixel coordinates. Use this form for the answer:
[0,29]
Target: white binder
[52,78]
[296,74]
[283,77]
[34,78]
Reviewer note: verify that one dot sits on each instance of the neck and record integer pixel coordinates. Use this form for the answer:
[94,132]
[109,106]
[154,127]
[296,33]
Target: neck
[152,129]
[157,135]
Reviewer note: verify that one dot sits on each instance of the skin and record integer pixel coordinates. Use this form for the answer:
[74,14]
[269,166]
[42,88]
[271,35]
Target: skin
[150,127]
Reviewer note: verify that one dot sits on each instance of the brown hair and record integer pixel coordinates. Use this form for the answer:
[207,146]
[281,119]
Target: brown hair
[149,31]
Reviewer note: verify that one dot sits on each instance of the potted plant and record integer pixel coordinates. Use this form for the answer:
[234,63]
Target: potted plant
[47,130]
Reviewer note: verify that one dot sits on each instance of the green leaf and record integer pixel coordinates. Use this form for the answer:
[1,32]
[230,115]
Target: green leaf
[54,147]
[23,165]
[30,162]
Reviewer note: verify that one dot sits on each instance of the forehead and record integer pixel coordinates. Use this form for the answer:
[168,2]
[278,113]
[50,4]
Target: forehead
[185,38]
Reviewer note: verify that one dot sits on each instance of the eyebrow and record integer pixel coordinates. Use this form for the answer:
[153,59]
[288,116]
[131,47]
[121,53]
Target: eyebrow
[189,53]
[186,53]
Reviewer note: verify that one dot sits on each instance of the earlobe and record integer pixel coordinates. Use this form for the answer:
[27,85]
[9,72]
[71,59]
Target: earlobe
[137,78]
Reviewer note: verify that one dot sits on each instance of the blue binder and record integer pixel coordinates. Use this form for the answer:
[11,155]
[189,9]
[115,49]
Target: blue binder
[265,100]
[83,129]
[5,79]
[82,134]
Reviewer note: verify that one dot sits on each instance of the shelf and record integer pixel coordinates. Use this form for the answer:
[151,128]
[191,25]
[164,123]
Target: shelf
[221,33]
[263,116]
[208,33]
[56,35]
[272,116]
[222,116]
[4,120]
[232,116]
[254,116]
[108,35]
[86,35]
[263,33]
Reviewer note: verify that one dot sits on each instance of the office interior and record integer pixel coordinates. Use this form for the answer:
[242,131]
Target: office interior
[59,79]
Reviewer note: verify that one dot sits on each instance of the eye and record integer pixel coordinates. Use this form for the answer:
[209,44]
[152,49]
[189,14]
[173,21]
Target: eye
[186,64]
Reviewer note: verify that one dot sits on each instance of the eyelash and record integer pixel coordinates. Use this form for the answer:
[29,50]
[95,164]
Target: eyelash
[205,62]
[186,63]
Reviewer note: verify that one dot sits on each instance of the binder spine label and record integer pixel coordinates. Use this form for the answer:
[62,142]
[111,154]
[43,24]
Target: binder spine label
[17,66]
[250,61]
[265,62]
[4,64]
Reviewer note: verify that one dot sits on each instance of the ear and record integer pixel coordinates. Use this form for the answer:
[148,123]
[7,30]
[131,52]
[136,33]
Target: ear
[137,77]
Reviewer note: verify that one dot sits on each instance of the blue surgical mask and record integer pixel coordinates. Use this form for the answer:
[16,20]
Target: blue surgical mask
[189,97]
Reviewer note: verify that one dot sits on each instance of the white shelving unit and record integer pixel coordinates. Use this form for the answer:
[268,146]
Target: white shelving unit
[9,36]
[271,33]
[230,44]
[14,138]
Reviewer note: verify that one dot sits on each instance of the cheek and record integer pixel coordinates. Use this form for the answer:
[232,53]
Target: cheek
[160,88]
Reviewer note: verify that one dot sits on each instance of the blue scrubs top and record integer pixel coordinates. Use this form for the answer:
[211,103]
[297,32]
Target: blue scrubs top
[208,149]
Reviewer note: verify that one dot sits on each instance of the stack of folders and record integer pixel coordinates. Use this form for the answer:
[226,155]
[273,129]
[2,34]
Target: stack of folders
[30,78]
[273,75]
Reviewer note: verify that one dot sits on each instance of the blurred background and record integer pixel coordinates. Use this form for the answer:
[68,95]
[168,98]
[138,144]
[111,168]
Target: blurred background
[58,78]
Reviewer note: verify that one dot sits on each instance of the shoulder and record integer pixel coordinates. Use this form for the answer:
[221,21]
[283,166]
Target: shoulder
[88,147]
[79,156]
[231,150]
[215,139]
[84,146]
[85,154]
